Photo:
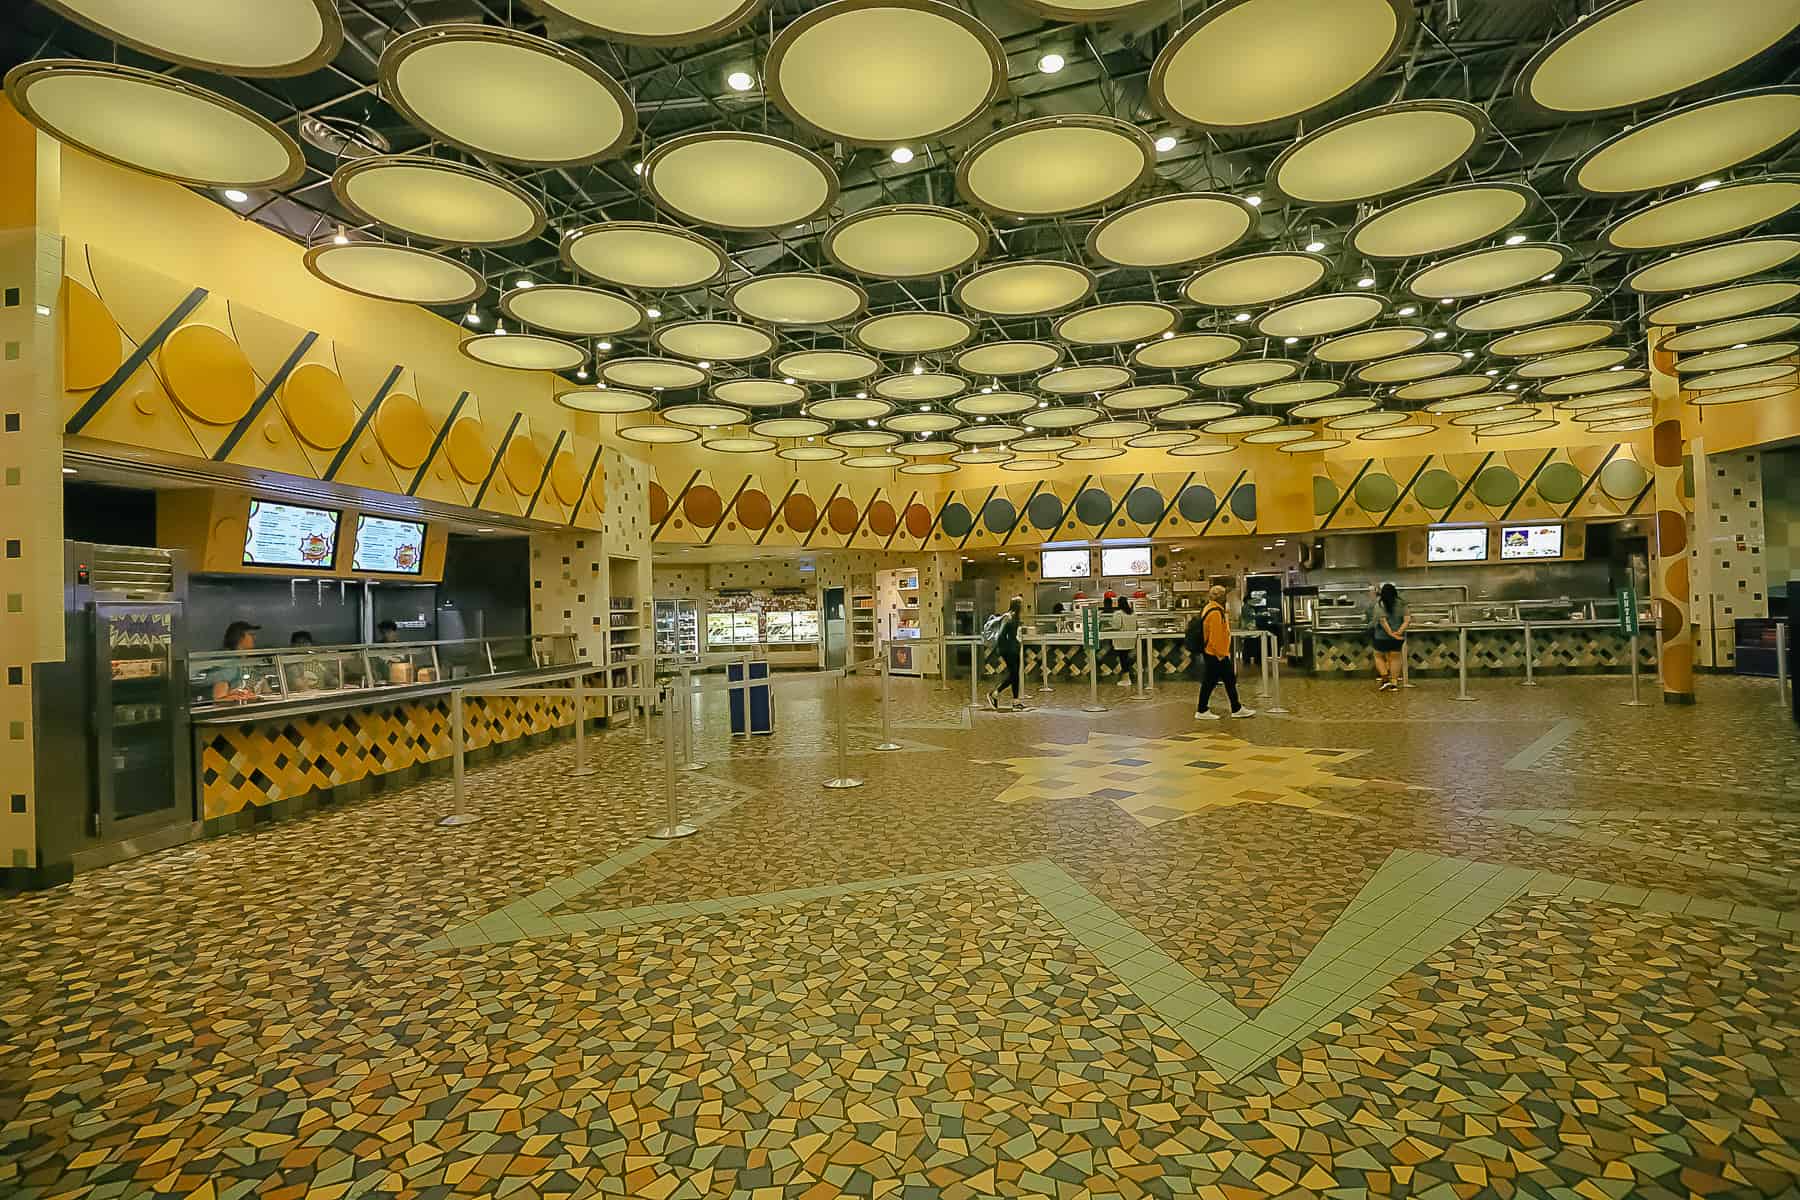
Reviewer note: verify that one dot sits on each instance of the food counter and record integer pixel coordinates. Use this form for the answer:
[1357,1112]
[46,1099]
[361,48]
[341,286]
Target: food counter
[1566,637]
[301,726]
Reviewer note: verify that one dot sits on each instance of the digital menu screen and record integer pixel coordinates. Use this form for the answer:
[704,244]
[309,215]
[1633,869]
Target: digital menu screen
[383,544]
[1531,541]
[1067,564]
[1120,561]
[1456,545]
[291,535]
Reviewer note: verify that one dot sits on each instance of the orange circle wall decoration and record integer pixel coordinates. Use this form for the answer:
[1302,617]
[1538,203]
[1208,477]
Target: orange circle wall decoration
[702,507]
[659,503]
[90,339]
[800,513]
[565,477]
[318,406]
[524,464]
[470,453]
[843,515]
[403,431]
[753,509]
[207,374]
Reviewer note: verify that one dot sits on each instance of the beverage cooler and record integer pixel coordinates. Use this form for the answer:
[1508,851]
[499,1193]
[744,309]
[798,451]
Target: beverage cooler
[677,629]
[113,715]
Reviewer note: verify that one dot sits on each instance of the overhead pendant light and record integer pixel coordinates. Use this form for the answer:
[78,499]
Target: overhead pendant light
[236,195]
[1314,246]
[472,317]
[1165,143]
[1254,201]
[740,81]
[1050,63]
[340,238]
[901,154]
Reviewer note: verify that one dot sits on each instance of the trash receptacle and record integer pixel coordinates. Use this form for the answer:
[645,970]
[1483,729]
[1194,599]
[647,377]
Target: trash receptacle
[760,717]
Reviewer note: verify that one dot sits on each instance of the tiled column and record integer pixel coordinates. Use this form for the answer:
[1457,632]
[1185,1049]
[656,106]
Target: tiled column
[1729,566]
[1669,575]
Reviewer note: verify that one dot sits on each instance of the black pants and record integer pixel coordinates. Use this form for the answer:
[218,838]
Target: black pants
[1217,671]
[1012,660]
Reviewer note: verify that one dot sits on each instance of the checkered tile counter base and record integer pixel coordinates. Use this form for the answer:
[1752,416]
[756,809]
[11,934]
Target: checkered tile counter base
[1579,650]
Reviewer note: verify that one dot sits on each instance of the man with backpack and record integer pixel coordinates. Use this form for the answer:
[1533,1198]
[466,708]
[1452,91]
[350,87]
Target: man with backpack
[1209,638]
[1001,635]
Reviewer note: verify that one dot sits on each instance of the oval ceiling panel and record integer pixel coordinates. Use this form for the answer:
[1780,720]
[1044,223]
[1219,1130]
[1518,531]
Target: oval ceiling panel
[1714,381]
[1055,166]
[757,393]
[1739,395]
[1703,215]
[906,241]
[738,445]
[994,359]
[1109,431]
[1533,306]
[1090,453]
[1248,373]
[1029,287]
[852,70]
[921,385]
[154,123]
[395,273]
[438,200]
[1146,397]
[1703,268]
[1255,279]
[270,38]
[1468,403]
[1571,335]
[1600,400]
[523,351]
[1733,301]
[716,341]
[1378,151]
[663,23]
[1483,272]
[1205,410]
[643,254]
[1342,406]
[849,408]
[1060,417]
[791,427]
[1737,356]
[605,400]
[1317,445]
[1573,362]
[1161,440]
[658,435]
[1172,231]
[1730,333]
[1445,387]
[1187,350]
[1044,445]
[1320,315]
[1592,381]
[796,298]
[1276,437]
[739,181]
[810,453]
[572,310]
[914,332]
[827,366]
[1689,143]
[1372,344]
[1367,420]
[1298,391]
[652,373]
[506,94]
[994,404]
[1110,324]
[1079,381]
[709,415]
[924,422]
[1446,219]
[1408,367]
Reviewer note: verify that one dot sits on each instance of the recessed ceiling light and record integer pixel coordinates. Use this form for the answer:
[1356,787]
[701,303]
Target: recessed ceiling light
[653,313]
[1367,281]
[1314,246]
[704,364]
[1051,63]
[472,317]
[1512,387]
[236,195]
[1165,143]
[740,81]
[901,154]
[605,345]
[1620,367]
[1288,341]
[1707,186]
[790,379]
[1167,334]
[1514,239]
[870,421]
[1439,336]
[522,283]
[1468,354]
[581,374]
[1409,310]
[1241,317]
[1490,373]
[1547,278]
[340,238]
[1253,201]
[1446,301]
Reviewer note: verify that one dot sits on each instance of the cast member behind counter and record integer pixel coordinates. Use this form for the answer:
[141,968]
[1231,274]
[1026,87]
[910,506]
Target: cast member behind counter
[234,680]
[313,673]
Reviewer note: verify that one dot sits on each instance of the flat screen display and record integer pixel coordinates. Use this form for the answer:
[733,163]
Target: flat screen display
[383,544]
[1124,561]
[1456,545]
[291,535]
[1067,564]
[1531,541]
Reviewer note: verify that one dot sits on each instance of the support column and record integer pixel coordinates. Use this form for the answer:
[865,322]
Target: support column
[1669,572]
[1730,578]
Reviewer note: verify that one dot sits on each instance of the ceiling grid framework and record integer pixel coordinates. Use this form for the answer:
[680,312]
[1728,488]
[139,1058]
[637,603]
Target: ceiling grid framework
[1098,227]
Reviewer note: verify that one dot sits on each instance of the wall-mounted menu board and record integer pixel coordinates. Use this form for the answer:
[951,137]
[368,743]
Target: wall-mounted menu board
[291,535]
[1121,562]
[1066,564]
[384,544]
[1531,541]
[1456,545]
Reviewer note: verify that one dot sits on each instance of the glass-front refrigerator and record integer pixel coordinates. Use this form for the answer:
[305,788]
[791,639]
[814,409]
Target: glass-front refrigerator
[677,628]
[137,726]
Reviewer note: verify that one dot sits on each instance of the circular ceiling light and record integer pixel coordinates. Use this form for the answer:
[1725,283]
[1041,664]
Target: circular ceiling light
[1533,306]
[153,123]
[1572,362]
[402,273]
[1203,410]
[572,310]
[1730,333]
[1253,62]
[1476,402]
[1162,439]
[1737,356]
[1029,464]
[852,70]
[906,241]
[505,94]
[923,422]
[1045,445]
[738,445]
[704,414]
[1714,381]
[1494,416]
[1515,428]
[658,435]
[994,404]
[1374,419]
[914,332]
[642,254]
[1090,453]
[994,359]
[1172,231]
[1277,437]
[790,427]
[1080,381]
[1199,449]
[653,373]
[1060,418]
[714,341]
[665,23]
[438,200]
[1483,272]
[796,298]
[1320,315]
[523,352]
[849,408]
[757,393]
[1299,391]
[1378,151]
[1634,51]
[1251,372]
[1571,335]
[1725,302]
[1693,269]
[1604,400]
[1694,142]
[1626,426]
[1408,367]
[739,181]
[927,469]
[827,366]
[981,457]
[1187,350]
[1110,324]
[1372,344]
[1444,387]
[925,385]
[809,453]
[1339,406]
[1026,288]
[1740,395]
[1107,431]
[605,400]
[1701,216]
[1055,166]
[1248,423]
[1317,445]
[1445,219]
[1592,381]
[874,462]
[988,435]
[1145,397]
[864,439]
[1395,433]
[277,37]
[1255,279]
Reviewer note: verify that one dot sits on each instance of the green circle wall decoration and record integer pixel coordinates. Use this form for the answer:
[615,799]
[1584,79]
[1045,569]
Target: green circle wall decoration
[1496,486]
[1623,478]
[1436,488]
[1325,495]
[1559,483]
[1376,492]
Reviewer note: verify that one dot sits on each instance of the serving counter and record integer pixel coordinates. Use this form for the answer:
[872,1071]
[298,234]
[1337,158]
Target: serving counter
[1570,637]
[303,726]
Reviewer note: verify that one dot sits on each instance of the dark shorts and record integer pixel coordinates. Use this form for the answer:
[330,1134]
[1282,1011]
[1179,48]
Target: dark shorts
[1387,645]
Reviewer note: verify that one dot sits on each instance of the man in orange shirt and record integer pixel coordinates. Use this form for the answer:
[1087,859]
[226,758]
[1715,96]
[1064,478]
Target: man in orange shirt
[1209,636]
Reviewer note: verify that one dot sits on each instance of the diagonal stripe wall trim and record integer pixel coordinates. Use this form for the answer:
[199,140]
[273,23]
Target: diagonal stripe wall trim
[262,399]
[91,407]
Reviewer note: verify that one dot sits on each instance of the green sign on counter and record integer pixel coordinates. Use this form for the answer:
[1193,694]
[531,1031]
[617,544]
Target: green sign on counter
[1090,627]
[1628,612]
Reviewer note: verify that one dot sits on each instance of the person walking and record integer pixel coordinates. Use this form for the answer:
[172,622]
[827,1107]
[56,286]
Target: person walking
[1390,623]
[1209,636]
[1124,659]
[1011,652]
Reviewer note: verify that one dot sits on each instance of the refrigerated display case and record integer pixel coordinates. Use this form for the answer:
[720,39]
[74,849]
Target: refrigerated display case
[729,630]
[677,628]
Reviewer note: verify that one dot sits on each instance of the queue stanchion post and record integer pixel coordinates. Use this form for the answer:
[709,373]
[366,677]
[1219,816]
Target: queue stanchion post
[1530,658]
[974,672]
[1781,672]
[1093,704]
[1274,708]
[583,768]
[887,741]
[674,715]
[1462,665]
[690,708]
[1149,661]
[1044,668]
[458,747]
[1137,689]
[844,778]
[1635,701]
[943,662]
[1405,666]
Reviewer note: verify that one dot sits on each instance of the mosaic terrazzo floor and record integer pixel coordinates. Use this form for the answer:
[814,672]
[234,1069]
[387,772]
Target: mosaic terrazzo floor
[1383,946]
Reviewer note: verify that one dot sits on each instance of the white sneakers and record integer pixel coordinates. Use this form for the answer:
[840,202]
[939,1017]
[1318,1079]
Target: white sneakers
[1244,712]
[1206,714]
